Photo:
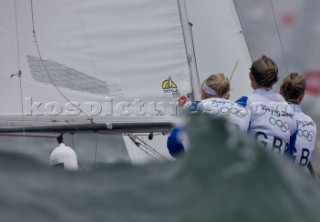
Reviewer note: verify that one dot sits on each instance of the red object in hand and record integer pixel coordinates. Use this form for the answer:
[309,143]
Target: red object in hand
[182,100]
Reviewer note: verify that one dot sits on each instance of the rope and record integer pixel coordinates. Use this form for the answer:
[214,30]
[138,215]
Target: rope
[146,146]
[95,154]
[282,48]
[194,50]
[47,72]
[19,70]
[17,34]
[73,147]
[143,142]
[138,145]
[72,141]
[234,69]
[22,107]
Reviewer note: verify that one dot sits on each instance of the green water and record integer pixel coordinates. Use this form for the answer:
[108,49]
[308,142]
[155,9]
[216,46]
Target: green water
[224,177]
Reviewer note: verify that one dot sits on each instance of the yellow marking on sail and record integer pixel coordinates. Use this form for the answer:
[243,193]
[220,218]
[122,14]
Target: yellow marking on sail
[166,84]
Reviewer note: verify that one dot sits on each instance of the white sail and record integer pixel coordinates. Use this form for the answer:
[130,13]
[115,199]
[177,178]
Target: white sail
[219,46]
[109,63]
[110,58]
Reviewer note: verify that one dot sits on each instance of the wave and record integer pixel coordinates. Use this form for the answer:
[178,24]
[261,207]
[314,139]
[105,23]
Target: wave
[224,177]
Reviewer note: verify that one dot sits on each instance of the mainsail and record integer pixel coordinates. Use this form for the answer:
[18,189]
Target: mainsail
[80,57]
[110,66]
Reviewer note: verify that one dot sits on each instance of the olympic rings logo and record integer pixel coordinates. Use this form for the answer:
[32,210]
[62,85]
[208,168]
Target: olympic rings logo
[233,110]
[284,126]
[304,133]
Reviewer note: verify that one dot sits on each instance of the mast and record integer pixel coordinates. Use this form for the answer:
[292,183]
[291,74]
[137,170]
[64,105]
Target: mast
[187,34]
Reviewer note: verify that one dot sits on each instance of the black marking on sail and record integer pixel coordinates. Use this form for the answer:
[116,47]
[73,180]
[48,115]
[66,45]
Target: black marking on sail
[64,76]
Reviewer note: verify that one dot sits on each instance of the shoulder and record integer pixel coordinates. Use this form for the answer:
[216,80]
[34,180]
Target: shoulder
[243,101]
[212,105]
[305,120]
[277,97]
[240,111]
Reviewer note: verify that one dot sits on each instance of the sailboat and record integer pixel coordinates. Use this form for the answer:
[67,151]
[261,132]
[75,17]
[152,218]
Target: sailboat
[113,67]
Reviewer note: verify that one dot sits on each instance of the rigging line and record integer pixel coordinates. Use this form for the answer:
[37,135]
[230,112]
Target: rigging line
[72,141]
[143,141]
[234,69]
[146,147]
[46,70]
[17,34]
[194,51]
[73,147]
[130,136]
[32,16]
[95,154]
[150,148]
[22,107]
[282,48]
[19,68]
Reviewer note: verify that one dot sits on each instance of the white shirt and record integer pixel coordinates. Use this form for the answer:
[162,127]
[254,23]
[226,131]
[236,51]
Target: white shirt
[65,156]
[306,137]
[272,119]
[235,114]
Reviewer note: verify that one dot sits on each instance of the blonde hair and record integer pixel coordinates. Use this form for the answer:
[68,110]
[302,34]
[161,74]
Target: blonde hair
[293,86]
[264,71]
[219,83]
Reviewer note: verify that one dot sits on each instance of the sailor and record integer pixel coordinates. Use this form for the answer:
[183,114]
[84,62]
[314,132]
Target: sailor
[64,156]
[215,92]
[272,119]
[293,89]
